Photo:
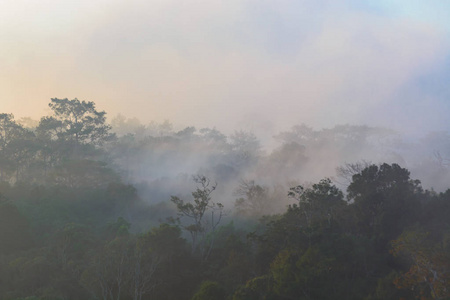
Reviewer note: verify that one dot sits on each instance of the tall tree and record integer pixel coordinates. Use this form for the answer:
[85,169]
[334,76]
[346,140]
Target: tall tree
[254,200]
[245,148]
[17,148]
[386,200]
[77,121]
[202,222]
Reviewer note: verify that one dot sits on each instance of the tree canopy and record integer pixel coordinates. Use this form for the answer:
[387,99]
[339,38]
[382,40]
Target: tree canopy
[77,121]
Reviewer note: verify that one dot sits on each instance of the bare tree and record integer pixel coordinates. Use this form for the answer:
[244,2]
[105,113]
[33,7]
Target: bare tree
[204,214]
[254,199]
[346,171]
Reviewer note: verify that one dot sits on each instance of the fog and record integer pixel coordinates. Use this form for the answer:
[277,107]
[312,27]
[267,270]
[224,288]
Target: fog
[275,93]
[240,149]
[161,160]
[145,209]
[240,65]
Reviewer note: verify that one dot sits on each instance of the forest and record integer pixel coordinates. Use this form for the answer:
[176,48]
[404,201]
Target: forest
[92,208]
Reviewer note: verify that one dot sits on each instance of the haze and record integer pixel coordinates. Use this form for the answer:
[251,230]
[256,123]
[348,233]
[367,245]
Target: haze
[224,149]
[232,64]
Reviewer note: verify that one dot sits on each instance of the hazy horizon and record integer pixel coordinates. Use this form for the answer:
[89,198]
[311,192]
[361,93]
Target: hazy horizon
[237,64]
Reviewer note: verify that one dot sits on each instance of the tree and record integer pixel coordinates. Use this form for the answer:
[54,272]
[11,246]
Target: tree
[17,148]
[301,134]
[83,173]
[318,206]
[347,170]
[24,155]
[9,130]
[197,210]
[254,199]
[176,275]
[303,275]
[143,267]
[255,289]
[107,276]
[386,201]
[76,121]
[123,126]
[429,273]
[287,161]
[245,148]
[210,290]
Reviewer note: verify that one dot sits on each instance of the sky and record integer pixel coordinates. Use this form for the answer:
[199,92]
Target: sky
[235,64]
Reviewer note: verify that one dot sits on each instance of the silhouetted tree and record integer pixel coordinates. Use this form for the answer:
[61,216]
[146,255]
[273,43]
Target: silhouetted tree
[76,121]
[204,214]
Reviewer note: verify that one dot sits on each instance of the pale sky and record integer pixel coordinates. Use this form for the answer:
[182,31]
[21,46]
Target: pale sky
[232,63]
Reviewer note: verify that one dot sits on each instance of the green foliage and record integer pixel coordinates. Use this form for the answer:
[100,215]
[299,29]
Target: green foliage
[210,290]
[385,201]
[429,270]
[118,228]
[320,205]
[255,289]
[71,229]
